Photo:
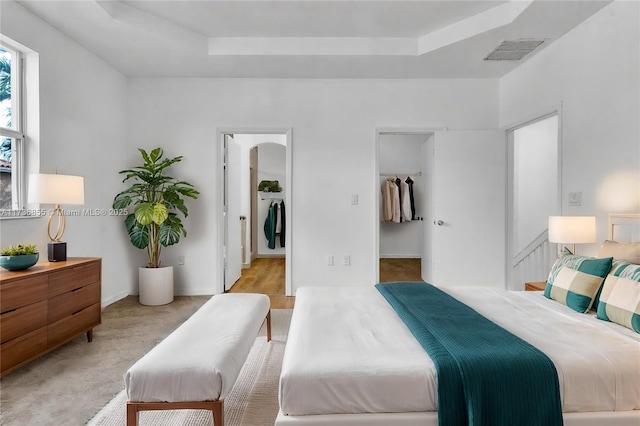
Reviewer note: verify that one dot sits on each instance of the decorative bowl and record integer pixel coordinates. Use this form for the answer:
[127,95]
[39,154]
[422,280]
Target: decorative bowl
[18,263]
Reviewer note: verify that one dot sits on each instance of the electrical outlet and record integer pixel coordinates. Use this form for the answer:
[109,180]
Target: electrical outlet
[329,260]
[347,260]
[180,260]
[354,199]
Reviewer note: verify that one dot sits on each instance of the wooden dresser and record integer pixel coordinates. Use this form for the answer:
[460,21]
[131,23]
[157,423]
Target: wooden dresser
[45,306]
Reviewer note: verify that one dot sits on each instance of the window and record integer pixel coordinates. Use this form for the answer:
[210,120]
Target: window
[11,129]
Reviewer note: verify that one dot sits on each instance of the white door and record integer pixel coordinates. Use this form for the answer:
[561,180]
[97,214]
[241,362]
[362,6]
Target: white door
[233,246]
[469,211]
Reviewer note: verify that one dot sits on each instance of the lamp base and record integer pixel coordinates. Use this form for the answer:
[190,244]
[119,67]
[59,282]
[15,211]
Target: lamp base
[57,252]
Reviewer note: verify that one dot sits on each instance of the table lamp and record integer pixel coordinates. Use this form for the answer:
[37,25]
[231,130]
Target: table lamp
[572,230]
[56,189]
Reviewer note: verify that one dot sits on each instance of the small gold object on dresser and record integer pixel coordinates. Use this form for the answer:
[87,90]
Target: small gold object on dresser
[46,306]
[535,286]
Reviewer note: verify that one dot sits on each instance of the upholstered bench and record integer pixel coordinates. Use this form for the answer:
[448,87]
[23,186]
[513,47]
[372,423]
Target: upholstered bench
[196,366]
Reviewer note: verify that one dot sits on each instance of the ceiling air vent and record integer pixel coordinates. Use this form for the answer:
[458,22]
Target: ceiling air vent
[513,50]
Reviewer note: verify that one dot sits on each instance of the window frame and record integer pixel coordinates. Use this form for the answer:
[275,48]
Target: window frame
[17,133]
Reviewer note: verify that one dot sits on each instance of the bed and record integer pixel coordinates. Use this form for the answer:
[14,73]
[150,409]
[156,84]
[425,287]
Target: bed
[351,360]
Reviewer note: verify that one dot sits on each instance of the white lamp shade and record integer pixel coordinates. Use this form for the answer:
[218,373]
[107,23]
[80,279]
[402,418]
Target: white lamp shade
[572,229]
[56,189]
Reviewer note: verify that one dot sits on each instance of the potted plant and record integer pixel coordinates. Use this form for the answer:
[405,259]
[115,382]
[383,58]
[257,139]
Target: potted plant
[17,258]
[154,222]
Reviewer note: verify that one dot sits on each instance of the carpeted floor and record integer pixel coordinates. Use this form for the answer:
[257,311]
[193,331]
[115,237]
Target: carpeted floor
[71,384]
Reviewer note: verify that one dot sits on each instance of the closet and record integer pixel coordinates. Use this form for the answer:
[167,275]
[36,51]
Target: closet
[404,195]
[460,192]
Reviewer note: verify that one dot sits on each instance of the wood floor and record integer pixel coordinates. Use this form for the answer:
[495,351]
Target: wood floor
[400,270]
[266,276]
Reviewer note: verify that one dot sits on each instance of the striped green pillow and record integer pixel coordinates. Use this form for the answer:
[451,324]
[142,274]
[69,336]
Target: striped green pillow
[620,297]
[576,280]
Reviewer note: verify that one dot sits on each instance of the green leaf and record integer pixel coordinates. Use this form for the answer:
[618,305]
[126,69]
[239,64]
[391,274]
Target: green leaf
[144,213]
[155,155]
[121,201]
[170,231]
[139,235]
[145,156]
[160,213]
[130,222]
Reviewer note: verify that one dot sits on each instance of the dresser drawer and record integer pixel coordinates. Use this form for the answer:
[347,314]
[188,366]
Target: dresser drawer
[73,301]
[22,320]
[69,327]
[26,291]
[22,348]
[72,278]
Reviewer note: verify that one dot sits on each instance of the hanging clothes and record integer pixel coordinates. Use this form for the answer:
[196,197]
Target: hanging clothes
[405,201]
[275,229]
[412,201]
[390,201]
[398,202]
[387,206]
[283,223]
[270,226]
[398,183]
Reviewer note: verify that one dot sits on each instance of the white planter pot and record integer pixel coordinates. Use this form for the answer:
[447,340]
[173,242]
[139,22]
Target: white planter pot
[155,285]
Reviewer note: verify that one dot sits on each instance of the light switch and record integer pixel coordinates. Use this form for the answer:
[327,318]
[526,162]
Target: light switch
[575,198]
[354,199]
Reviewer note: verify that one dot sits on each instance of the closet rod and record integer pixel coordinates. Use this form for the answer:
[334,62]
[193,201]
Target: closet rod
[401,174]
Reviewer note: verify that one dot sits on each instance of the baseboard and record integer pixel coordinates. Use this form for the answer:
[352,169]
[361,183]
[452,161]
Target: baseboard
[400,256]
[270,256]
[106,302]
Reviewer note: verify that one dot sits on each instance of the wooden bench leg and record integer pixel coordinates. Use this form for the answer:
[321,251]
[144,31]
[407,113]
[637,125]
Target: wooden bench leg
[269,326]
[218,413]
[132,414]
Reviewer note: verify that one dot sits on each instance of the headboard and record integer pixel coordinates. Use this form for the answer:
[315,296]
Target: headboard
[624,228]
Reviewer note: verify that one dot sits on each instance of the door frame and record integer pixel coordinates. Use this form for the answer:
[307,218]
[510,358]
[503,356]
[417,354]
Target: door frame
[219,196]
[509,129]
[376,182]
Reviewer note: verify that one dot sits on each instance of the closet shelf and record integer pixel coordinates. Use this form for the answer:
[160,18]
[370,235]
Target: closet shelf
[271,195]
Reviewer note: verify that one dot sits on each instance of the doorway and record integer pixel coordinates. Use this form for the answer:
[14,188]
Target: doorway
[463,204]
[244,266]
[402,183]
[534,195]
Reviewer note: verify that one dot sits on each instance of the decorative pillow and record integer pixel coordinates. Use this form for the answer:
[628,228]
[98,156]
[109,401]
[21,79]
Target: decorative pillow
[576,280]
[620,297]
[629,252]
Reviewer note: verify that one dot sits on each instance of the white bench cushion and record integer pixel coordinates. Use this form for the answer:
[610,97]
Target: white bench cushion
[201,359]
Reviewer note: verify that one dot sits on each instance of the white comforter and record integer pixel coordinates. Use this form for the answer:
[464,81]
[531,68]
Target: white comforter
[348,352]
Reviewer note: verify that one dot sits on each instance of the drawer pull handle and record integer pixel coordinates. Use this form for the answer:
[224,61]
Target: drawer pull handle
[76,313]
[76,289]
[8,312]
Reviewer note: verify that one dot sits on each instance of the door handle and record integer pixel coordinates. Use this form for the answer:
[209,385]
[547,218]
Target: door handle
[438,222]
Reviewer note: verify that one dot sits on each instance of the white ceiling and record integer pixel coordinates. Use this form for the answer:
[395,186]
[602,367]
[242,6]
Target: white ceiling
[309,39]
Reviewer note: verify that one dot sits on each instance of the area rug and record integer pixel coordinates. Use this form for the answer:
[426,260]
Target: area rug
[253,401]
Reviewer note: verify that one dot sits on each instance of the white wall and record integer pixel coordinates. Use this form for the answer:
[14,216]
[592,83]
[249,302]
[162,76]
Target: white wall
[402,154]
[334,124]
[593,71]
[83,115]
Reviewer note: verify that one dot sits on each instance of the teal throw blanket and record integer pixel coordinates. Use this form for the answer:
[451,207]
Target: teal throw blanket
[486,375]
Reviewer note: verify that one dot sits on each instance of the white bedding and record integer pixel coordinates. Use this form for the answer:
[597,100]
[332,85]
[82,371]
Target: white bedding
[201,359]
[348,352]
